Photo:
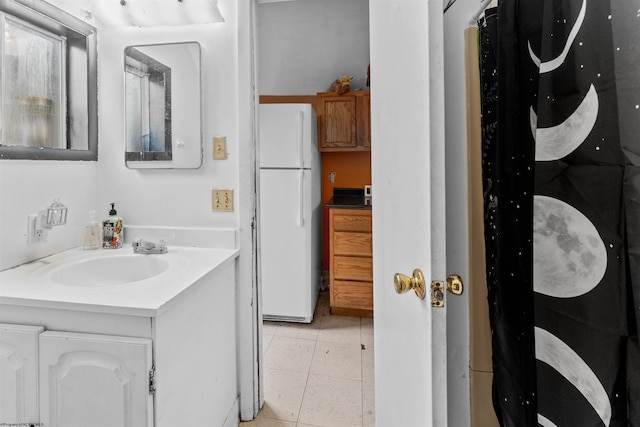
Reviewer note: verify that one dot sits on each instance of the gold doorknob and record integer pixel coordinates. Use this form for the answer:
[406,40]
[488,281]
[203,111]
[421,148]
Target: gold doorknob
[404,283]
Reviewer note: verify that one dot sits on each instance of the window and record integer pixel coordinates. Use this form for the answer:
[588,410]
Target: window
[33,105]
[48,84]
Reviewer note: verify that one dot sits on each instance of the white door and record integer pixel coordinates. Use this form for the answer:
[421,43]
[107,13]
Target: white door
[407,128]
[94,380]
[19,374]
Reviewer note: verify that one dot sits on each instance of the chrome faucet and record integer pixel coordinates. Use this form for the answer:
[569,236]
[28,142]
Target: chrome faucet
[141,246]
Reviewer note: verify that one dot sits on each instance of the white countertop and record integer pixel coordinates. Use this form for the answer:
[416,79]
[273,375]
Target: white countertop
[29,284]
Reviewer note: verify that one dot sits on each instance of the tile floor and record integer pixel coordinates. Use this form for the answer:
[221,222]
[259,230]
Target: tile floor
[318,374]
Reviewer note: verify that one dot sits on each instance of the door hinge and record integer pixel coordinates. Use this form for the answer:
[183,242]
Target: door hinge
[152,380]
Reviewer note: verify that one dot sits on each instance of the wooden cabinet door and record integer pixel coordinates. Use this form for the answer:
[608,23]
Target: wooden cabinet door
[363,121]
[19,374]
[94,380]
[337,121]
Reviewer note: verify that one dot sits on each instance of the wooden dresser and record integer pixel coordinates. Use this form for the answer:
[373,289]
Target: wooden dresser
[351,262]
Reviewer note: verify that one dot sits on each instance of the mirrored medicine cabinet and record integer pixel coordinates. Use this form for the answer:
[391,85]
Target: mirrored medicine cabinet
[48,84]
[163,106]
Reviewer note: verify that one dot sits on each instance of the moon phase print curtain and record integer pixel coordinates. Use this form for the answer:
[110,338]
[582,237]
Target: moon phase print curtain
[561,175]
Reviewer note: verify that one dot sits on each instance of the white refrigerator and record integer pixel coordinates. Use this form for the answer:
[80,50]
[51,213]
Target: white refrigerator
[290,212]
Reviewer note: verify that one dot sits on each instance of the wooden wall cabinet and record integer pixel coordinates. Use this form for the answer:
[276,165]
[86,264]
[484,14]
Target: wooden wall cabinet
[351,262]
[344,121]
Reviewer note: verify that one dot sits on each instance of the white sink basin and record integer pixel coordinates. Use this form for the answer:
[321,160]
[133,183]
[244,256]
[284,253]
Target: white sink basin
[109,271]
[111,281]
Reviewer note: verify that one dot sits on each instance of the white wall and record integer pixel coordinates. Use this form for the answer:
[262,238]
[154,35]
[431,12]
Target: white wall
[143,197]
[165,197]
[28,186]
[304,45]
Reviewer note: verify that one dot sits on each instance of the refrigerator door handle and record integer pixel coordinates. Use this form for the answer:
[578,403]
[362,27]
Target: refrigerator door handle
[301,139]
[301,200]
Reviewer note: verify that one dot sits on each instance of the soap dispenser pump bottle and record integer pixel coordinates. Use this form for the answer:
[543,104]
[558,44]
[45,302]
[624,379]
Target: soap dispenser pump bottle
[112,230]
[92,233]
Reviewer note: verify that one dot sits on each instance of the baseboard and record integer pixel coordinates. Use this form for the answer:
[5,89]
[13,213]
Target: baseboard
[233,417]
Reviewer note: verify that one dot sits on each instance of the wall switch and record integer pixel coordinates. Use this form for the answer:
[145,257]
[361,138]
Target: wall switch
[220,148]
[222,200]
[332,177]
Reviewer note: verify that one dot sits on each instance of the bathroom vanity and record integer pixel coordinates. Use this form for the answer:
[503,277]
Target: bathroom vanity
[153,345]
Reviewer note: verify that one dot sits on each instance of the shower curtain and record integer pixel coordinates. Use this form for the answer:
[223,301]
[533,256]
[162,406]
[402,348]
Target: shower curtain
[560,84]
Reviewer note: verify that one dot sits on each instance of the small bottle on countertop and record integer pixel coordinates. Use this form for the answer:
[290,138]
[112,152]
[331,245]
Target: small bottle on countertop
[112,230]
[92,233]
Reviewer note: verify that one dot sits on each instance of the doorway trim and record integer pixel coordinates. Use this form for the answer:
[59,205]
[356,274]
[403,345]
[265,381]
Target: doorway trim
[248,298]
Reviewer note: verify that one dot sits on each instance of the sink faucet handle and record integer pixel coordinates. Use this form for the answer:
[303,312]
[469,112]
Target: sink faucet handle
[148,247]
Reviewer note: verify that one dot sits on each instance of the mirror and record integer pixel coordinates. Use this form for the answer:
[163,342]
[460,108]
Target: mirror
[148,98]
[163,106]
[48,84]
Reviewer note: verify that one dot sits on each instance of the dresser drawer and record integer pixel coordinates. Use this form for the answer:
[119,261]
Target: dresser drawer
[347,294]
[350,250]
[350,243]
[352,222]
[352,268]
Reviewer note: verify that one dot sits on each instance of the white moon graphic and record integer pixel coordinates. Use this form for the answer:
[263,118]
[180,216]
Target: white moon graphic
[569,256]
[545,422]
[548,66]
[556,142]
[555,353]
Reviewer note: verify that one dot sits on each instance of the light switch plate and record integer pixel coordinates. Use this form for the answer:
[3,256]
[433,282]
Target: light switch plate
[220,147]
[222,200]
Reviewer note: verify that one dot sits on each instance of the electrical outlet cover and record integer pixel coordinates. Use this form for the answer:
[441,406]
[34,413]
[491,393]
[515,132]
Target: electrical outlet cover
[35,233]
[222,200]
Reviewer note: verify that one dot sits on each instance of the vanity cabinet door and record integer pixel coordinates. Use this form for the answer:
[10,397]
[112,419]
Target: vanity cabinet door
[19,374]
[94,380]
